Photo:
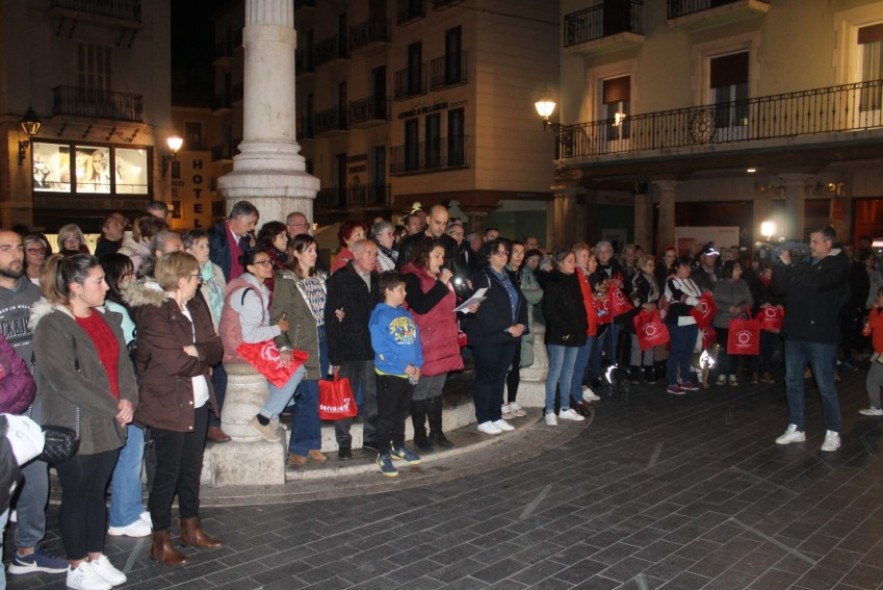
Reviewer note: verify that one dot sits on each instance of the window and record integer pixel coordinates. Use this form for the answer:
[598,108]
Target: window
[453,55]
[193,136]
[870,40]
[433,141]
[615,99]
[93,67]
[82,168]
[729,89]
[412,147]
[415,68]
[456,138]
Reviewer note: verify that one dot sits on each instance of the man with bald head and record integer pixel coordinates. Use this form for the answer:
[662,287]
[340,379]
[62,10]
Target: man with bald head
[437,223]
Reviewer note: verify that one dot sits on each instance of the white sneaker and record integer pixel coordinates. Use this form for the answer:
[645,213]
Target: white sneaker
[792,435]
[145,516]
[86,577]
[589,395]
[504,426]
[506,411]
[517,410]
[872,411]
[551,419]
[105,569]
[489,428]
[570,414]
[832,441]
[138,528]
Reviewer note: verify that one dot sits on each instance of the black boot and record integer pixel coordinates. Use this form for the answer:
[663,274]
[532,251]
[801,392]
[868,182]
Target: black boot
[650,375]
[635,374]
[435,423]
[419,409]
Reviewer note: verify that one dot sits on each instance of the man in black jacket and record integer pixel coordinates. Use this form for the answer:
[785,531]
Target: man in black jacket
[352,294]
[815,291]
[435,230]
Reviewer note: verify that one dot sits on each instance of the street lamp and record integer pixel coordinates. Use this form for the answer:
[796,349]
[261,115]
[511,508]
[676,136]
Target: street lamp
[30,125]
[174,142]
[768,229]
[545,106]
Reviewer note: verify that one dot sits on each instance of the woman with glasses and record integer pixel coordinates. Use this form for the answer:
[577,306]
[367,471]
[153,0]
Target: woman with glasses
[71,240]
[493,332]
[177,347]
[246,319]
[37,250]
[383,234]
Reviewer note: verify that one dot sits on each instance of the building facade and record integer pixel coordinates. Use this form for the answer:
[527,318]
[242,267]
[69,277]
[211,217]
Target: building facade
[96,77]
[719,113]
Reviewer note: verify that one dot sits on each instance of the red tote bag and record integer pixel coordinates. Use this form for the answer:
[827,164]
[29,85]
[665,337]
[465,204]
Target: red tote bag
[704,311]
[650,329]
[619,303]
[336,400]
[264,356]
[771,319]
[602,308]
[743,336]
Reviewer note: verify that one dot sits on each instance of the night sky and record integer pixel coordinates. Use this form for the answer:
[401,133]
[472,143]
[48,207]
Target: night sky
[192,47]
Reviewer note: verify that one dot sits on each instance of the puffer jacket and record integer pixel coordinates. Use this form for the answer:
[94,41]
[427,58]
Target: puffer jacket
[432,304]
[566,322]
[72,384]
[729,293]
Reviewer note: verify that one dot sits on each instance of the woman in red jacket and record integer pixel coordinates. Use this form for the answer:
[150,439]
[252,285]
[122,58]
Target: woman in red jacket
[431,300]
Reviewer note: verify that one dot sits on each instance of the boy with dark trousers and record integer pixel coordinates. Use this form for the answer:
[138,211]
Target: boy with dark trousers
[397,361]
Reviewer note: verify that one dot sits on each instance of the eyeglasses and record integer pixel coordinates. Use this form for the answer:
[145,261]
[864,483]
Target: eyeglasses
[35,251]
[298,225]
[198,278]
[502,253]
[264,262]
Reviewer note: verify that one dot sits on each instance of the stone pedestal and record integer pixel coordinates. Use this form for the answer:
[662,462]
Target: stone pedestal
[532,390]
[246,394]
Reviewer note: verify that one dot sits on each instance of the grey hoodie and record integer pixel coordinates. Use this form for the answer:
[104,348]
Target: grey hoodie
[15,311]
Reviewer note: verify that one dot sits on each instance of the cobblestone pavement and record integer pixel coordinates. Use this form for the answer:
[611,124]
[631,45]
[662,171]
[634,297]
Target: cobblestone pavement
[660,492]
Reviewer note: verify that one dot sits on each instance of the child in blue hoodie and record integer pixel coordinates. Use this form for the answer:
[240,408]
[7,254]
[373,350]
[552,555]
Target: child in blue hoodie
[397,361]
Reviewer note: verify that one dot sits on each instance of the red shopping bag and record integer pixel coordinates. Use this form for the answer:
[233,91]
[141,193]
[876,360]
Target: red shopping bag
[704,311]
[264,356]
[650,329]
[743,336]
[336,400]
[602,307]
[619,303]
[771,319]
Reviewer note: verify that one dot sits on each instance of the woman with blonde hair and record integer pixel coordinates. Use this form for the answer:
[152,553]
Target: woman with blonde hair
[71,240]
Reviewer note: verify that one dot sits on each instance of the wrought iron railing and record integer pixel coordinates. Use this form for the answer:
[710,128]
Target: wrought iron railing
[121,9]
[374,30]
[603,20]
[444,153]
[678,8]
[845,108]
[334,47]
[369,109]
[97,104]
[409,10]
[331,120]
[331,197]
[367,195]
[409,82]
[449,70]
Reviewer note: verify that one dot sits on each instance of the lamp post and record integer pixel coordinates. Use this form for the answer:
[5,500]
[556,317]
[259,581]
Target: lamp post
[30,125]
[174,142]
[545,106]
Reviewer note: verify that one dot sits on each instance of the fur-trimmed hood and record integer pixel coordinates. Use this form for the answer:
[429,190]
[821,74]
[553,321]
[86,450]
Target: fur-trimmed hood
[44,307]
[144,292]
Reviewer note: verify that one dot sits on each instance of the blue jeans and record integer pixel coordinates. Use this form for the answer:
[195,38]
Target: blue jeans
[584,353]
[821,357]
[605,342]
[561,361]
[492,363]
[219,382]
[126,504]
[683,341]
[306,428]
[278,396]
[33,494]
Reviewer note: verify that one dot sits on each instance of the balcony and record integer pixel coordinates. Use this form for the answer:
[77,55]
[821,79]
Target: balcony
[331,197]
[222,153]
[332,48]
[701,14]
[303,63]
[448,71]
[444,4]
[92,103]
[610,26]
[331,121]
[305,127]
[374,32]
[443,154]
[128,11]
[369,112]
[408,11]
[363,196]
[409,82]
[794,118]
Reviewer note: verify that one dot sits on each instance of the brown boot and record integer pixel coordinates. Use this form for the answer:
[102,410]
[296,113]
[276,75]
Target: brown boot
[164,551]
[193,535]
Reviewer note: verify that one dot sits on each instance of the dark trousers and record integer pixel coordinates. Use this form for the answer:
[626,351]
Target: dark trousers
[363,380]
[683,340]
[82,517]
[219,382]
[513,379]
[178,469]
[491,365]
[393,407]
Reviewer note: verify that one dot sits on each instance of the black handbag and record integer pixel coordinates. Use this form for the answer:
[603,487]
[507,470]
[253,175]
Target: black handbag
[61,444]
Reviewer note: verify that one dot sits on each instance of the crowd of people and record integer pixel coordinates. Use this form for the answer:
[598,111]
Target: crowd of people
[128,346]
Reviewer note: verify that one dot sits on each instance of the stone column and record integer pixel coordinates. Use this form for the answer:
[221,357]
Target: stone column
[795,195]
[665,232]
[269,170]
[644,221]
[564,217]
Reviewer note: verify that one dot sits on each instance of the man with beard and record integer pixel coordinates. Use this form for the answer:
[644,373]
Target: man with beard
[17,295]
[435,230]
